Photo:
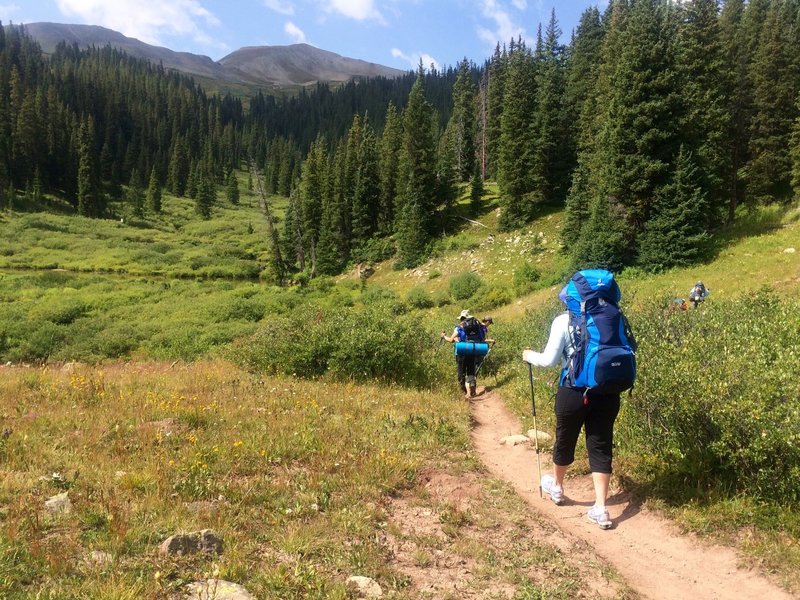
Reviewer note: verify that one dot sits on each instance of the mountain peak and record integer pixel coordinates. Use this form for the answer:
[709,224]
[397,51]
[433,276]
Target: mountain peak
[267,66]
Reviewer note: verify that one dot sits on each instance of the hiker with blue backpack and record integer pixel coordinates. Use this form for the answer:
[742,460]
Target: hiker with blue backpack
[596,348]
[468,337]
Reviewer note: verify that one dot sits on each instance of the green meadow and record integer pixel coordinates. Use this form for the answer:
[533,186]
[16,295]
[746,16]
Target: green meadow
[155,378]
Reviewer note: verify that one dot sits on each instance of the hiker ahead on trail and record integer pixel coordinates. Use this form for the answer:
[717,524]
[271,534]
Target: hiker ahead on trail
[698,294]
[468,336]
[594,343]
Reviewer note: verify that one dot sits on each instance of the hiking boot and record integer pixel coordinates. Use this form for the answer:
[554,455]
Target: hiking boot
[600,516]
[472,390]
[550,488]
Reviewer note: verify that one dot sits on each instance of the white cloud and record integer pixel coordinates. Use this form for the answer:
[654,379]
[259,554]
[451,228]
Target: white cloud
[6,10]
[146,20]
[504,26]
[294,32]
[521,4]
[360,10]
[414,58]
[280,6]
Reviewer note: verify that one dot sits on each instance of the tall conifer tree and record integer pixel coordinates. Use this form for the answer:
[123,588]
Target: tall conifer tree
[390,144]
[416,219]
[516,140]
[705,86]
[676,235]
[775,88]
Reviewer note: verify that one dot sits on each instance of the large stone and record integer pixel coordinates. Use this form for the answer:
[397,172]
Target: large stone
[789,250]
[359,586]
[513,440]
[191,543]
[60,503]
[541,436]
[218,589]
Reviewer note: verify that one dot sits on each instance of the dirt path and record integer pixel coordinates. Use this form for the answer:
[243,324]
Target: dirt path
[653,557]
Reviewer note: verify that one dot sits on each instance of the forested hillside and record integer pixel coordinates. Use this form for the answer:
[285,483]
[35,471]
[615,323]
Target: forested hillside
[651,126]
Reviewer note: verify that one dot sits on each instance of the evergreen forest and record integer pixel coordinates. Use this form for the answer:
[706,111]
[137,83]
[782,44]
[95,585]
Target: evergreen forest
[651,127]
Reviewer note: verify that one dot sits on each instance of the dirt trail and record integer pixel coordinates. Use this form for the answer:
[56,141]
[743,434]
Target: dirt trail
[653,557]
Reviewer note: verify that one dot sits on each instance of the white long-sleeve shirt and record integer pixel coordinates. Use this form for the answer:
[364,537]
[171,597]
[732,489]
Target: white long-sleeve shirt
[558,341]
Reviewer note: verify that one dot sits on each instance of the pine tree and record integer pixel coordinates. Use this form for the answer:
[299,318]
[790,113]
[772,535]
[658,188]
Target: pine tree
[447,170]
[462,122]
[232,188]
[312,193]
[516,141]
[417,217]
[495,95]
[585,61]
[638,130]
[476,189]
[193,181]
[675,235]
[135,195]
[553,148]
[604,237]
[775,87]
[794,153]
[90,202]
[179,168]
[412,239]
[390,143]
[154,193]
[705,86]
[367,194]
[206,195]
[739,99]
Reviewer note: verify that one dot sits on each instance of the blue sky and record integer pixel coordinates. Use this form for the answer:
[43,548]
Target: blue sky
[395,33]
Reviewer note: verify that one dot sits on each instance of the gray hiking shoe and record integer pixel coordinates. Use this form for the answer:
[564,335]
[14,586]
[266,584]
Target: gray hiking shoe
[600,516]
[550,488]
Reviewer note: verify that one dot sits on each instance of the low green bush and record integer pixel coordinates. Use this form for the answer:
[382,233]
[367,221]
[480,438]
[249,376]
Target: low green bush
[525,279]
[715,405]
[418,297]
[371,343]
[489,297]
[464,285]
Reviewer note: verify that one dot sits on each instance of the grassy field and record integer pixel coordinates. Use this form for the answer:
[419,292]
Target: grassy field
[306,483]
[177,243]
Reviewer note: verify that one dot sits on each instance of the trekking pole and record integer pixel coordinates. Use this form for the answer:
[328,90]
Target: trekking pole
[488,352]
[536,432]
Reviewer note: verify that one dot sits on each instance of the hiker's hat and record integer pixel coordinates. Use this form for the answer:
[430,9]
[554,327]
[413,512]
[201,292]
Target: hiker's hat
[465,314]
[488,319]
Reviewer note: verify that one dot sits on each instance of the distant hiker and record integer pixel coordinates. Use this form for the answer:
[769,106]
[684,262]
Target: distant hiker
[485,322]
[698,294]
[596,348]
[679,304]
[467,330]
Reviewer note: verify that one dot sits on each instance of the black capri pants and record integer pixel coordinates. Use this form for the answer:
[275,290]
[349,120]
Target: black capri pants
[597,414]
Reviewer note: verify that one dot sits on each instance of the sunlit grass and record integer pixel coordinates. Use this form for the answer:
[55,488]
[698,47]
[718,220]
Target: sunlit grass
[297,477]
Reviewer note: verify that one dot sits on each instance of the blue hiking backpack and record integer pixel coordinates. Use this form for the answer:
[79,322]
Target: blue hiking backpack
[604,349]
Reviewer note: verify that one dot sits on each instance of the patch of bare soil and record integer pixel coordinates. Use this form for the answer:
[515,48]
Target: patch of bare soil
[647,550]
[459,536]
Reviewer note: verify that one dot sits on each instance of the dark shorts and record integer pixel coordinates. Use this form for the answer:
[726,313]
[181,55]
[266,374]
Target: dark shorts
[597,416]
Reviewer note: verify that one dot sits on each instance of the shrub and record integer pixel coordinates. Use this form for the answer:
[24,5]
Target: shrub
[491,297]
[525,279]
[419,298]
[463,286]
[715,404]
[367,344]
